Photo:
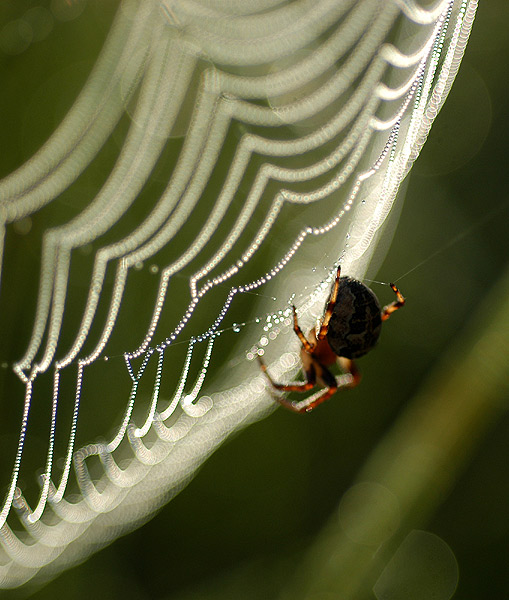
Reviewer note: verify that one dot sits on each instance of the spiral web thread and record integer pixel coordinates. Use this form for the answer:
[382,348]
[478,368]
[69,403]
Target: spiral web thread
[309,104]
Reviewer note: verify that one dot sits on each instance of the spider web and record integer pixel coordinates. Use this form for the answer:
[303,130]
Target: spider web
[260,146]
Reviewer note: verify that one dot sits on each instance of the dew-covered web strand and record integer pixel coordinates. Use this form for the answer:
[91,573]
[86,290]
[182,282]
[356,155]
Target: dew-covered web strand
[236,327]
[256,39]
[92,118]
[46,297]
[327,189]
[101,214]
[17,460]
[213,331]
[44,362]
[152,246]
[37,337]
[197,387]
[209,336]
[387,152]
[140,432]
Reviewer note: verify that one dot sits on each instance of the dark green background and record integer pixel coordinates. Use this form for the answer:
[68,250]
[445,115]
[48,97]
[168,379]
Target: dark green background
[239,529]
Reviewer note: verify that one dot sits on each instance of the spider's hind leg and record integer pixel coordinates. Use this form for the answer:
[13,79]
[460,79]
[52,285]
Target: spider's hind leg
[309,403]
[294,386]
[351,375]
[349,379]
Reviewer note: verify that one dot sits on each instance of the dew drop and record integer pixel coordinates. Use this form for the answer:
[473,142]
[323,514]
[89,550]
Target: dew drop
[236,327]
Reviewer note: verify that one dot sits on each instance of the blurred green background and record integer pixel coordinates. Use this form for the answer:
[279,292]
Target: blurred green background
[241,528]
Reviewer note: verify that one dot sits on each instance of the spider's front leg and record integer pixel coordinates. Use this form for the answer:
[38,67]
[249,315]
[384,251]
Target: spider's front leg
[306,344]
[307,366]
[330,307]
[398,303]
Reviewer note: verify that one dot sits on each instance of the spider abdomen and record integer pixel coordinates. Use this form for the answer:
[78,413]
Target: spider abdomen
[356,319]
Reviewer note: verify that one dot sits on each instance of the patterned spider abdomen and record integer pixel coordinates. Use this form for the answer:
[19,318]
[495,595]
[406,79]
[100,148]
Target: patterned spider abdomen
[356,321]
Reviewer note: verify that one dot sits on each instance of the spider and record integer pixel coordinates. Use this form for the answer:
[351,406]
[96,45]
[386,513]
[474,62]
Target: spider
[350,327]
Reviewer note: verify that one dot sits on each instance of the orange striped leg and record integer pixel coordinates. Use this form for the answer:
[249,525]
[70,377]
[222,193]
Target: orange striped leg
[390,308]
[308,347]
[290,387]
[330,307]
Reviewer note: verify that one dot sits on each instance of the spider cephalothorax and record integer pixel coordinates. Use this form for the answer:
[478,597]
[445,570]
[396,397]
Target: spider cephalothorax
[350,327]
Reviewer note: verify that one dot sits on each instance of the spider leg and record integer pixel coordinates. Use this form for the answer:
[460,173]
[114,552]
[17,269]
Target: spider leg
[390,308]
[351,375]
[350,378]
[310,403]
[308,347]
[291,387]
[308,364]
[330,307]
